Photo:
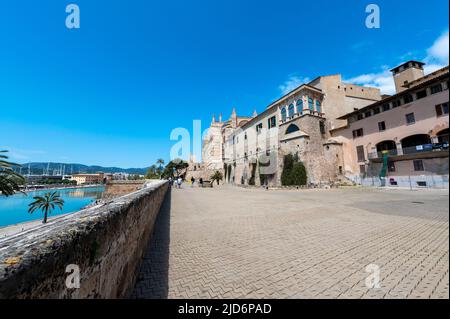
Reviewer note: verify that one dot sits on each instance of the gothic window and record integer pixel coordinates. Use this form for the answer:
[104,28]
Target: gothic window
[311,104]
[300,105]
[318,107]
[283,114]
[291,110]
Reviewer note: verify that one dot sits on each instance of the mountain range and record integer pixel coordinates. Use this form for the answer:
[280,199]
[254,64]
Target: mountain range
[39,168]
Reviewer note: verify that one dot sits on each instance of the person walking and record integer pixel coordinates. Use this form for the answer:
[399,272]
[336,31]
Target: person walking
[192,181]
[179,181]
[201,182]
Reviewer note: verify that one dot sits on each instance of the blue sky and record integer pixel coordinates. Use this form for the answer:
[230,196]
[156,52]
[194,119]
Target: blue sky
[111,92]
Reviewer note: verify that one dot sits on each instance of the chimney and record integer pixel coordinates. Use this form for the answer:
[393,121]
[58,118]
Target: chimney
[406,73]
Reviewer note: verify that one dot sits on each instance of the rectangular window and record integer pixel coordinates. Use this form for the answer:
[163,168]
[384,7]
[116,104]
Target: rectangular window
[381,126]
[272,122]
[418,166]
[438,110]
[421,94]
[322,127]
[362,169]
[441,109]
[376,110]
[259,127]
[445,108]
[391,167]
[386,107]
[368,114]
[408,98]
[436,88]
[410,119]
[360,117]
[396,103]
[360,153]
[358,133]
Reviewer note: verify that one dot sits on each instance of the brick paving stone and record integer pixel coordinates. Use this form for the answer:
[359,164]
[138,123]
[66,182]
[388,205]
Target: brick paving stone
[230,242]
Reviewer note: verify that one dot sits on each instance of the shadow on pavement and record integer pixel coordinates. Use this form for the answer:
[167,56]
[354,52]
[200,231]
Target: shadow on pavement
[153,278]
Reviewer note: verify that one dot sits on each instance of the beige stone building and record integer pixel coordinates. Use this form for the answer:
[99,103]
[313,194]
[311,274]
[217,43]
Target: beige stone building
[299,123]
[411,126]
[82,179]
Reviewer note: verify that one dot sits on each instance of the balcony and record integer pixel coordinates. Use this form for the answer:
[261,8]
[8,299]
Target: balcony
[413,152]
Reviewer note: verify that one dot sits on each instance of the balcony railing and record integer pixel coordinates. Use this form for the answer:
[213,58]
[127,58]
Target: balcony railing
[425,148]
[413,150]
[374,155]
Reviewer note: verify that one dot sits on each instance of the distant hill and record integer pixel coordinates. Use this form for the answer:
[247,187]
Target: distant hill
[71,168]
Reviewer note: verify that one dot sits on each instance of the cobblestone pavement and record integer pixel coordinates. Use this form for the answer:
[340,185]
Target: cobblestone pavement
[231,242]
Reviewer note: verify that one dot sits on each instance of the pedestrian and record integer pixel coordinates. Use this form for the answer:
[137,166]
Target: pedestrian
[179,181]
[192,181]
[201,182]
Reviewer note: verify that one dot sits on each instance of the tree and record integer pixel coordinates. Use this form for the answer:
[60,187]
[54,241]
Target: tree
[217,176]
[152,172]
[46,204]
[288,164]
[10,181]
[176,168]
[135,177]
[298,173]
[294,172]
[160,163]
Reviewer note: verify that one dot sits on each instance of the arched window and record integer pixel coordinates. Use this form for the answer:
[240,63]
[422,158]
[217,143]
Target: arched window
[311,104]
[318,106]
[300,105]
[283,114]
[292,128]
[291,110]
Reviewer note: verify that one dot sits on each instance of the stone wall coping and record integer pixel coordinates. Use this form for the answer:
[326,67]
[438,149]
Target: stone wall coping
[21,251]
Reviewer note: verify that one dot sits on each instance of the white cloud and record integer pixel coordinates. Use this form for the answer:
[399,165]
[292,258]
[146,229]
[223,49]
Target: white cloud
[382,80]
[438,53]
[292,83]
[436,57]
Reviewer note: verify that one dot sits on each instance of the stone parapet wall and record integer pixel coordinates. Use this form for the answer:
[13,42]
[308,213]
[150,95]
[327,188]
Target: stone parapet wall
[120,188]
[106,242]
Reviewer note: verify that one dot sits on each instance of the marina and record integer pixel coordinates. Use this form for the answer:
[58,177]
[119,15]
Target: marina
[14,209]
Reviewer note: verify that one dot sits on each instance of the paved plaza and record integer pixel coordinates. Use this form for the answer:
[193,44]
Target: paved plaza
[231,242]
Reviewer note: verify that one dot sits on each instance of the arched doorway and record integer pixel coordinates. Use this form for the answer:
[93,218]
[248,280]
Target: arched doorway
[416,143]
[388,146]
[443,136]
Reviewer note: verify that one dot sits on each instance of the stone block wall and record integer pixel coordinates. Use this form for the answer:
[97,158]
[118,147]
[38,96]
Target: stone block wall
[106,242]
[120,188]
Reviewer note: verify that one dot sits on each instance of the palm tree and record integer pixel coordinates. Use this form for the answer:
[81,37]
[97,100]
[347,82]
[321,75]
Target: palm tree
[217,176]
[160,162]
[10,181]
[46,204]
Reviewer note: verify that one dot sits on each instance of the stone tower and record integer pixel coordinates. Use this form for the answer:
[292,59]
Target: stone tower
[407,72]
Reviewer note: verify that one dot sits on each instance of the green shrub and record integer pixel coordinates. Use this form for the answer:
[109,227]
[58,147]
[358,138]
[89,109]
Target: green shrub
[294,173]
[298,174]
[252,178]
